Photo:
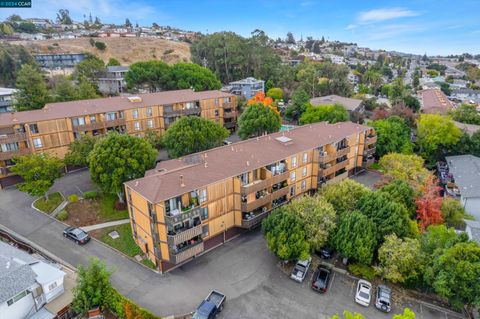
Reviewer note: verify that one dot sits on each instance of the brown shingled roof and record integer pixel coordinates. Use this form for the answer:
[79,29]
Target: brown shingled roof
[111,104]
[349,103]
[434,101]
[204,168]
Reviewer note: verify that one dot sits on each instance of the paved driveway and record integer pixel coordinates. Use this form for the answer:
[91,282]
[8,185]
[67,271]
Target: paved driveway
[243,269]
[367,178]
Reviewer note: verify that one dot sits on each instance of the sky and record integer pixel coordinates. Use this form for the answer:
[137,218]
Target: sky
[413,26]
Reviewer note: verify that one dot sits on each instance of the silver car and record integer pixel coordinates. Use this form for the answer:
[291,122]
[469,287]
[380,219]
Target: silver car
[300,270]
[384,298]
[364,293]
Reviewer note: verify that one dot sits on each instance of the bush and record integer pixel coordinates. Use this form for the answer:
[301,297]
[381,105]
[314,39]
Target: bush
[92,42]
[166,52]
[100,45]
[72,198]
[363,271]
[62,215]
[90,195]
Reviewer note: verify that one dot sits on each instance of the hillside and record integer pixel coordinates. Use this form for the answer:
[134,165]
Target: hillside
[125,50]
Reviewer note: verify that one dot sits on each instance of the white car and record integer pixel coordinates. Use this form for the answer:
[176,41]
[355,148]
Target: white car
[364,293]
[300,270]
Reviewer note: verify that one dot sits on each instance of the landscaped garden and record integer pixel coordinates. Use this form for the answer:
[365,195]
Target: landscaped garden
[48,205]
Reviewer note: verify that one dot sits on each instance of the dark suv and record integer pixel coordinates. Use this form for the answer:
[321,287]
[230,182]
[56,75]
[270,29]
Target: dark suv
[79,236]
[321,279]
[383,301]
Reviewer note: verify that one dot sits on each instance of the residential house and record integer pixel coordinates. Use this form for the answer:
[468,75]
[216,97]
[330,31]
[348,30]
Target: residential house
[59,60]
[458,84]
[434,101]
[6,100]
[466,95]
[41,23]
[52,129]
[114,81]
[185,207]
[472,228]
[351,105]
[247,88]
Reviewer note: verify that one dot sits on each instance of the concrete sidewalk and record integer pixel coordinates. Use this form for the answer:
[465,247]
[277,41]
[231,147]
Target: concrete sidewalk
[105,225]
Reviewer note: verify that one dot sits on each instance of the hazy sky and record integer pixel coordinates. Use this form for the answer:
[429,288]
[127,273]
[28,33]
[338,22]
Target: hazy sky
[417,26]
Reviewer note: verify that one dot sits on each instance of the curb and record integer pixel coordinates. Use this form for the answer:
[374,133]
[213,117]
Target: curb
[41,211]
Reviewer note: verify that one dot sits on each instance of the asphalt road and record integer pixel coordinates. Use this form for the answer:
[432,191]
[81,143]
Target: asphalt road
[243,269]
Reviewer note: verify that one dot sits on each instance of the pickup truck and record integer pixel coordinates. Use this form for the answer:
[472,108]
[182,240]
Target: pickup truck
[211,306]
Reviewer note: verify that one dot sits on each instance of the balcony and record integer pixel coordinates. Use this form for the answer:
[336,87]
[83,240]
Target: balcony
[186,253]
[322,158]
[337,179]
[229,124]
[183,235]
[332,169]
[12,154]
[11,138]
[229,115]
[175,113]
[267,199]
[370,140]
[343,151]
[262,184]
[5,171]
[177,216]
[99,125]
[256,220]
[369,151]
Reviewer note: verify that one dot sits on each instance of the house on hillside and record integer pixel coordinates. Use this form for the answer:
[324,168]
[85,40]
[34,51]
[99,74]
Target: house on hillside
[247,87]
[434,101]
[114,81]
[472,228]
[353,106]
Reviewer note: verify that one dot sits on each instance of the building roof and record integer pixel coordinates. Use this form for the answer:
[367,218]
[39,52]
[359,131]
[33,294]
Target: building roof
[466,91]
[7,91]
[434,101]
[466,172]
[249,80]
[110,104]
[470,129]
[15,277]
[178,176]
[46,273]
[117,68]
[349,103]
[474,230]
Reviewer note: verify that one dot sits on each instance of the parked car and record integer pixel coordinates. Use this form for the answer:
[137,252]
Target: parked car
[79,236]
[226,142]
[325,252]
[321,279]
[211,306]
[364,293]
[384,298]
[300,270]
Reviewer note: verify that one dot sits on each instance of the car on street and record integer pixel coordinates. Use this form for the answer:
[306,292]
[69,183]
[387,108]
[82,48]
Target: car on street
[211,306]
[79,236]
[325,252]
[383,301]
[363,294]
[321,279]
[300,270]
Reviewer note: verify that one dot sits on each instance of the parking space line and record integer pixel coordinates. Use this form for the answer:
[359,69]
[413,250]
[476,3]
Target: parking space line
[331,281]
[351,289]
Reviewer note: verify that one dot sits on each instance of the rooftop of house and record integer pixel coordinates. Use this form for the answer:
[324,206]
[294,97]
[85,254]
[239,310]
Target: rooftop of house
[473,230]
[248,80]
[434,101]
[470,129]
[178,176]
[117,68]
[466,172]
[7,91]
[466,91]
[110,104]
[349,103]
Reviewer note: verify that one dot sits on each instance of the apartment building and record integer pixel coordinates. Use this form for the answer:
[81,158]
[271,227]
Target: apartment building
[53,128]
[187,206]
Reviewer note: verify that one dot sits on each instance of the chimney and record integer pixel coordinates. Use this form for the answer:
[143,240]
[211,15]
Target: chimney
[248,163]
[136,183]
[206,155]
[206,165]
[182,184]
[233,149]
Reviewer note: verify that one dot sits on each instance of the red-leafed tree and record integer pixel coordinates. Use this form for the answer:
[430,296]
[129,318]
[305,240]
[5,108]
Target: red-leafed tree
[429,205]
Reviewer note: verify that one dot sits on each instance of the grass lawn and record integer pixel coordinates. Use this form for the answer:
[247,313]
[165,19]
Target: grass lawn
[124,243]
[107,209]
[375,166]
[48,206]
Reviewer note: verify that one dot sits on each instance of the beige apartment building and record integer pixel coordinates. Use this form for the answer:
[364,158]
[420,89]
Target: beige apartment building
[53,128]
[187,206]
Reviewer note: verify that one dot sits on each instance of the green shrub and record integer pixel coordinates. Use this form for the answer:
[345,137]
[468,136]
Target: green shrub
[72,198]
[363,271]
[100,45]
[62,215]
[90,195]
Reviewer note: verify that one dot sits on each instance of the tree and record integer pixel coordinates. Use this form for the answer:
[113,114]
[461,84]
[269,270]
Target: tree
[344,195]
[466,113]
[189,75]
[91,68]
[128,24]
[411,102]
[63,89]
[399,259]
[12,59]
[113,62]
[79,150]
[63,17]
[355,237]
[330,113]
[38,171]
[401,192]
[374,79]
[290,39]
[407,314]
[85,90]
[93,288]
[318,216]
[257,120]
[438,238]
[393,136]
[453,212]
[285,236]
[429,205]
[348,315]
[118,158]
[100,45]
[388,216]
[454,274]
[32,91]
[408,168]
[435,133]
[150,75]
[297,105]
[191,134]
[154,138]
[275,93]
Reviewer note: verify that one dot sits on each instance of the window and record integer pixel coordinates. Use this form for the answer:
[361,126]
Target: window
[294,161]
[93,119]
[205,230]
[33,128]
[217,113]
[37,142]
[293,176]
[135,114]
[52,286]
[17,298]
[292,190]
[304,184]
[189,105]
[9,147]
[304,172]
[150,123]
[204,213]
[136,126]
[149,111]
[226,100]
[120,114]
[305,157]
[202,195]
[216,102]
[112,116]
[78,121]
[244,179]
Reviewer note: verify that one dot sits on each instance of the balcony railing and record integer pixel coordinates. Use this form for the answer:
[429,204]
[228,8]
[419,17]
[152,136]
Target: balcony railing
[337,179]
[186,253]
[12,154]
[248,207]
[255,220]
[229,124]
[369,151]
[194,111]
[178,216]
[5,171]
[11,138]
[343,151]
[262,184]
[370,140]
[322,158]
[184,235]
[332,169]
[99,125]
[229,115]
